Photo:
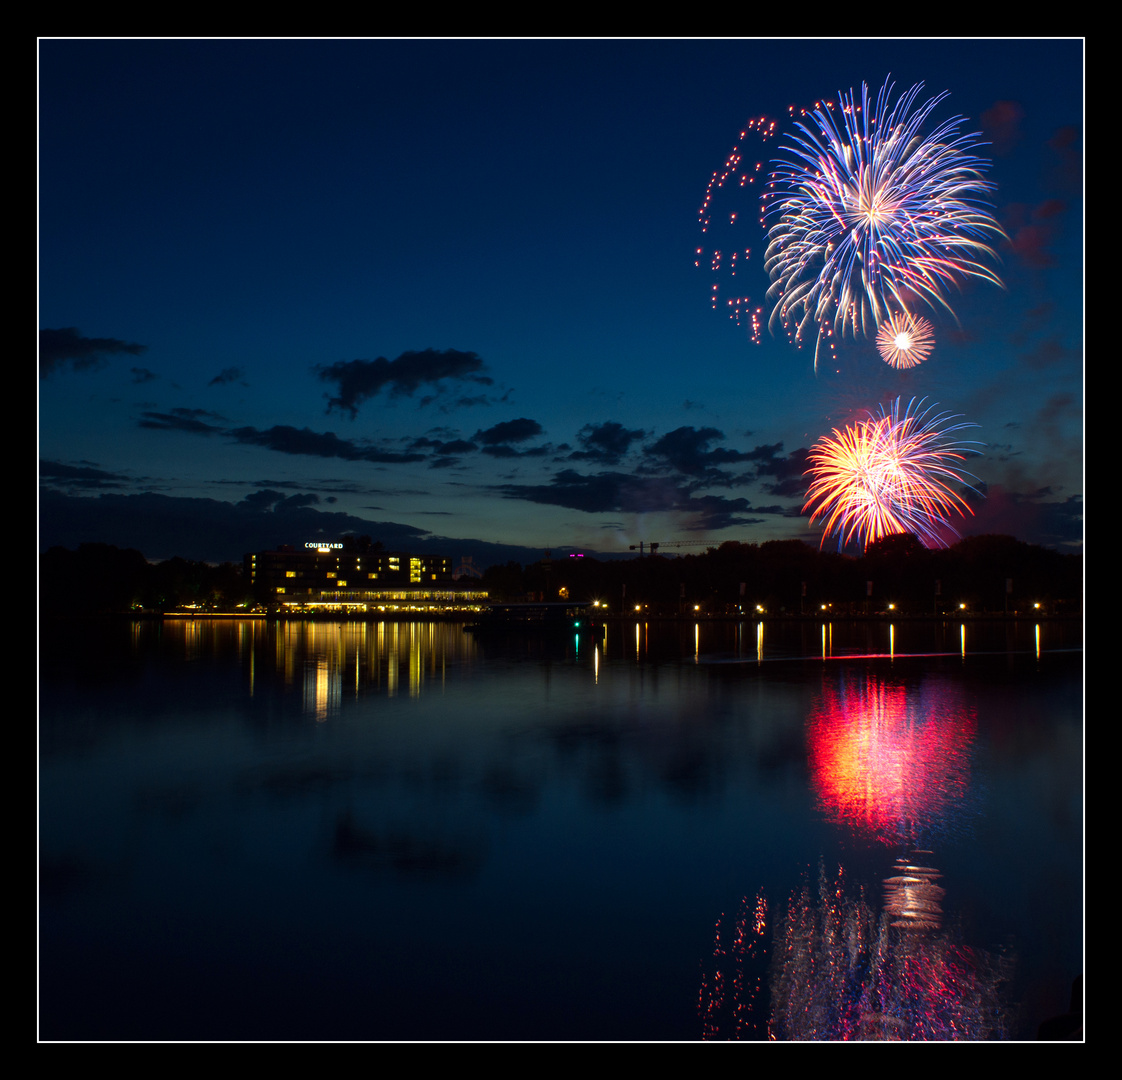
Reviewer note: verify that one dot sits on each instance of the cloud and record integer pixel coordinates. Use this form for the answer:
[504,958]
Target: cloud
[509,431]
[59,347]
[289,440]
[497,440]
[711,512]
[286,439]
[447,452]
[1033,516]
[180,420]
[142,375]
[1032,230]
[592,494]
[1067,172]
[56,474]
[358,380]
[788,473]
[615,492]
[686,450]
[505,451]
[449,446]
[605,443]
[162,526]
[1049,352]
[228,375]
[1002,123]
[1055,420]
[277,502]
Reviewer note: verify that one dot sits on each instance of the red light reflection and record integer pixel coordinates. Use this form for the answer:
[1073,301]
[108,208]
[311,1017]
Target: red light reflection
[890,759]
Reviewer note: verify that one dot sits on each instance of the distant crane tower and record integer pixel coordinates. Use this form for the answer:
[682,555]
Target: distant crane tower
[466,569]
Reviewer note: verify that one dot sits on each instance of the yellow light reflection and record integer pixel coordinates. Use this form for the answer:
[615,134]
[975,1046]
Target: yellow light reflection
[415,669]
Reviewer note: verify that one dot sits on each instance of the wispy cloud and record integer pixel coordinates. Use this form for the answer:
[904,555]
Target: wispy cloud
[59,475]
[57,348]
[358,380]
[188,420]
[289,440]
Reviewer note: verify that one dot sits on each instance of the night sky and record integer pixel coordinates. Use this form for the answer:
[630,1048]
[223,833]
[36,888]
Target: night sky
[444,292]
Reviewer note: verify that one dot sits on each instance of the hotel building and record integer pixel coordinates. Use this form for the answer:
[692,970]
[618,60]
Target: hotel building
[322,576]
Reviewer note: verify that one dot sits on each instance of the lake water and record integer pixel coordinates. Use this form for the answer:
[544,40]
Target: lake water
[666,831]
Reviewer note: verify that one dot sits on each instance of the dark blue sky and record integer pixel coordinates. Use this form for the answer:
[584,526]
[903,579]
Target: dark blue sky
[226,227]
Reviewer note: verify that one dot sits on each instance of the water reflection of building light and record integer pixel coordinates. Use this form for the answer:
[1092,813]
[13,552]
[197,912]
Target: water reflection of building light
[392,661]
[912,897]
[321,689]
[416,668]
[759,642]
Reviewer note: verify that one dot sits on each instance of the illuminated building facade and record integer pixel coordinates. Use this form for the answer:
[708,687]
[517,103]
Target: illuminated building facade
[324,576]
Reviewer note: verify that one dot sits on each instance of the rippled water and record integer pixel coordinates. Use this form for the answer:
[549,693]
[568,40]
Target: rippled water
[350,831]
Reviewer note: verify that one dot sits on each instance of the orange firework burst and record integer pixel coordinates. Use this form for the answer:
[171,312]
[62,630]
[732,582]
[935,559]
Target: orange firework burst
[904,340]
[889,474]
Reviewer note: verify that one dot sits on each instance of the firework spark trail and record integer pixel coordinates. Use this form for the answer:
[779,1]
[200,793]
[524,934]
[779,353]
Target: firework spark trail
[872,214]
[722,220]
[904,340]
[889,474]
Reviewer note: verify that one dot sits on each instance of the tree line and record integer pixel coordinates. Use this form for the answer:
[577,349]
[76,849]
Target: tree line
[985,573]
[101,578]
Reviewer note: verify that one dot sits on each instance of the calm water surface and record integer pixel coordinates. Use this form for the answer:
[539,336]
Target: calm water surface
[398,831]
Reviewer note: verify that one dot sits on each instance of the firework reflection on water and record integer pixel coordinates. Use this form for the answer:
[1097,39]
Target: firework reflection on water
[843,972]
[730,1001]
[891,762]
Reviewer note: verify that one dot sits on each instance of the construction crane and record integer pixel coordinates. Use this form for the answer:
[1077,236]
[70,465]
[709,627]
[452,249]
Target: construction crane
[654,545]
